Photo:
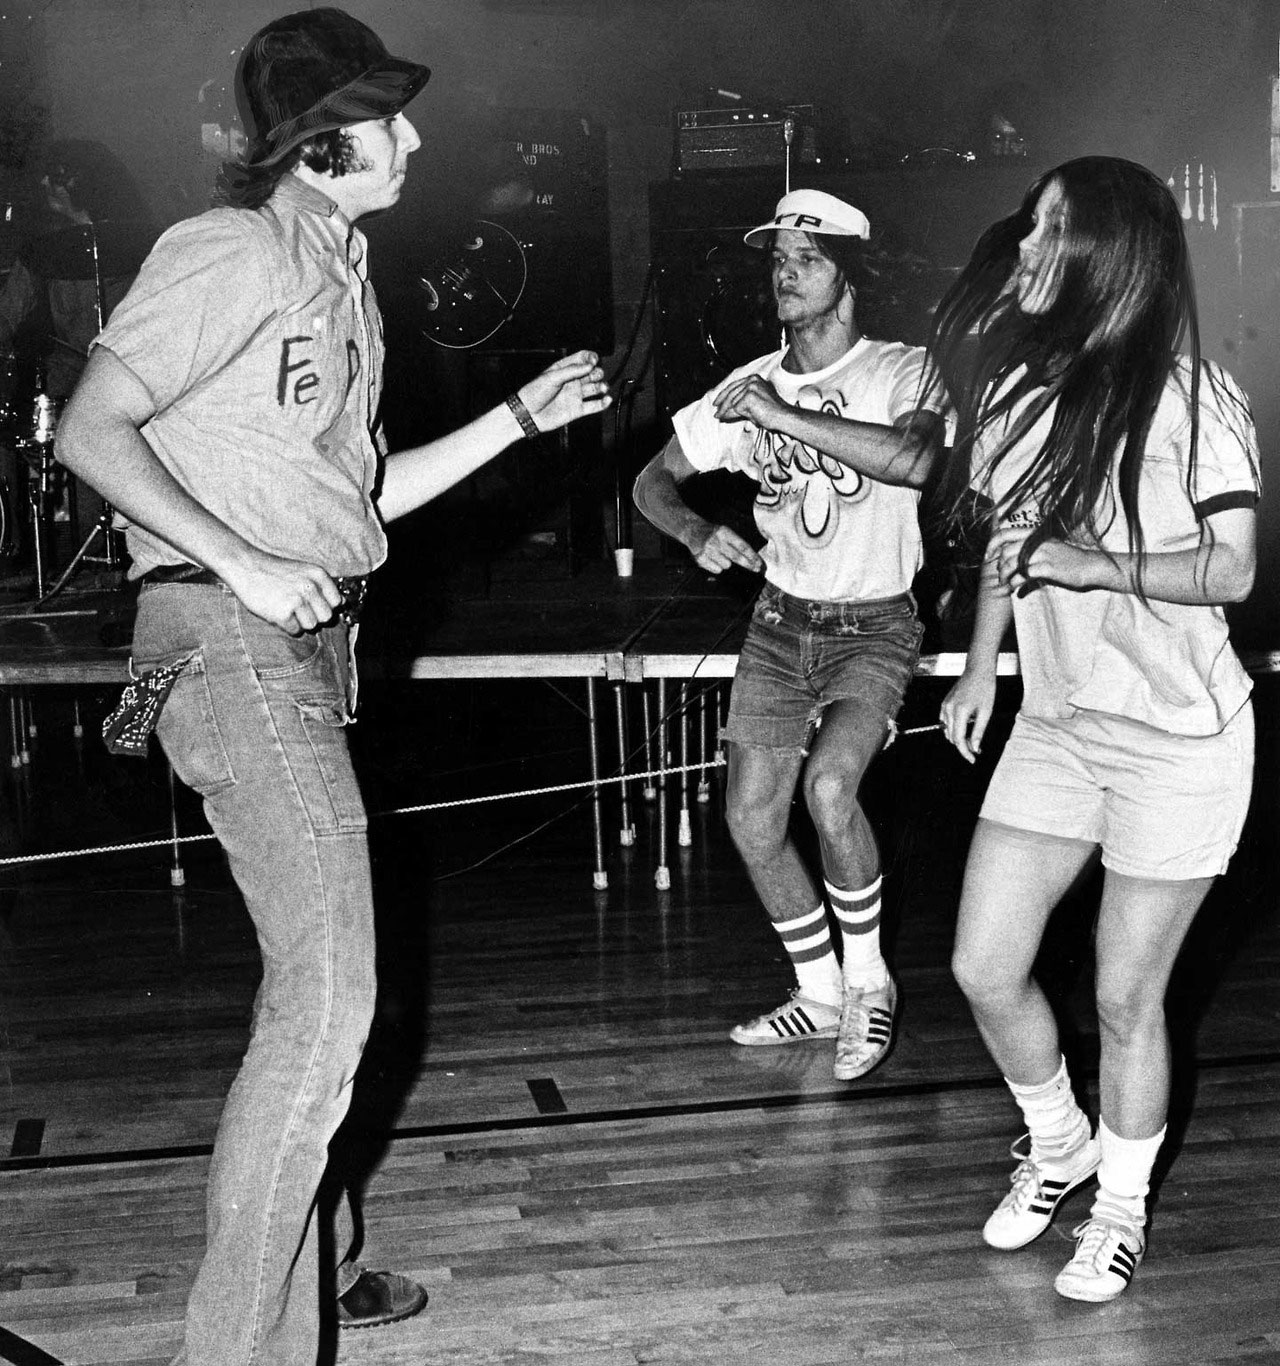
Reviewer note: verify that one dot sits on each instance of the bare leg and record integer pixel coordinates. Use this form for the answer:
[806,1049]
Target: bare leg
[1141,928]
[1013,880]
[850,736]
[762,783]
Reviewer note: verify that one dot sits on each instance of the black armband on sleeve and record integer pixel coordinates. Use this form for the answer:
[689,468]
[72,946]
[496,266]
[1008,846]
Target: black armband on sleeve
[1221,502]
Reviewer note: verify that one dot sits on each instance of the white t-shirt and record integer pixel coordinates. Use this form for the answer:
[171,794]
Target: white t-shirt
[1168,665]
[832,534]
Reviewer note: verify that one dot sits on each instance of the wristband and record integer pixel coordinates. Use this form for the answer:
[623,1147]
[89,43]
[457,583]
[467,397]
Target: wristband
[522,415]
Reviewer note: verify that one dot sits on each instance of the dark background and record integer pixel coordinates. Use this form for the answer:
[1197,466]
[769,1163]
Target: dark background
[904,93]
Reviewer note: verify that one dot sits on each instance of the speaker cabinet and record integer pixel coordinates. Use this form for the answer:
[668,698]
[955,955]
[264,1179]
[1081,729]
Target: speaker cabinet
[555,202]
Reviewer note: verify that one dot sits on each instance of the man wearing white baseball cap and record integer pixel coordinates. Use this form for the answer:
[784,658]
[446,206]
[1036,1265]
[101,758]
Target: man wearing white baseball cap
[813,211]
[840,433]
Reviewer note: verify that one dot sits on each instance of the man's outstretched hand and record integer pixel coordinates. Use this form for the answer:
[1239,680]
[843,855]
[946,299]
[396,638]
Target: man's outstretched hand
[566,390]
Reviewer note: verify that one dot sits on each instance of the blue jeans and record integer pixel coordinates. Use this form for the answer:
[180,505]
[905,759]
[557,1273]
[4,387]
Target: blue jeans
[255,725]
[801,655]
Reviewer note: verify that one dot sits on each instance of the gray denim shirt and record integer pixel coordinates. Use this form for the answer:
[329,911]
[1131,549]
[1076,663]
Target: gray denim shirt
[257,335]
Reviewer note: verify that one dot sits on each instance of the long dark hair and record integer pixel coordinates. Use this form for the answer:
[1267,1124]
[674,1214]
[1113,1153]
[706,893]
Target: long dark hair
[246,185]
[1100,356]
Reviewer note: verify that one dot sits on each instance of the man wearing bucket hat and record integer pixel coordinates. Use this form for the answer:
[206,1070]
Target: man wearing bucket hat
[229,411]
[840,433]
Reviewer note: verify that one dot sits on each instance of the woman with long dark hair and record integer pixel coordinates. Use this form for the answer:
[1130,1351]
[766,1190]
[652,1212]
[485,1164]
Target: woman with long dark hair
[1119,474]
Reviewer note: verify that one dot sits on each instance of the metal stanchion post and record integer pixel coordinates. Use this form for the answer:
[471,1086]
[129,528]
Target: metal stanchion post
[704,773]
[685,836]
[627,834]
[600,879]
[648,792]
[177,874]
[25,729]
[662,877]
[15,744]
[721,717]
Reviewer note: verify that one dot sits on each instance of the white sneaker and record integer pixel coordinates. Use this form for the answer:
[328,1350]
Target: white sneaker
[798,1021]
[1106,1257]
[866,1030]
[1038,1188]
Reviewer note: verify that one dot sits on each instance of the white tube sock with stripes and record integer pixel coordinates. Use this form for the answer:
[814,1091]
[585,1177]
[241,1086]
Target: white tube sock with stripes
[858,914]
[807,940]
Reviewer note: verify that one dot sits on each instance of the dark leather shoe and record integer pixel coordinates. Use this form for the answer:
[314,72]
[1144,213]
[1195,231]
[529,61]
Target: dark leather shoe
[377,1297]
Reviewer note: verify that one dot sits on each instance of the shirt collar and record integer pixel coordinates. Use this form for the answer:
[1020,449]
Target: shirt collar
[295,194]
[299,195]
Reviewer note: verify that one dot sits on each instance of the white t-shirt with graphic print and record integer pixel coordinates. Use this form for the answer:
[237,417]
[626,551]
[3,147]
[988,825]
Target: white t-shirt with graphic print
[1168,665]
[832,535]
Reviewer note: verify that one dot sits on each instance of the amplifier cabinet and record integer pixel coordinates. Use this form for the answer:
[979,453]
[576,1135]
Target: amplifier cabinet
[743,139]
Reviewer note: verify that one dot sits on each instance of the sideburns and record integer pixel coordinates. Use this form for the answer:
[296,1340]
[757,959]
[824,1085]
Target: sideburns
[352,158]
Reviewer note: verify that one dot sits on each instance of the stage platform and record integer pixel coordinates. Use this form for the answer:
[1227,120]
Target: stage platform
[663,622]
[666,623]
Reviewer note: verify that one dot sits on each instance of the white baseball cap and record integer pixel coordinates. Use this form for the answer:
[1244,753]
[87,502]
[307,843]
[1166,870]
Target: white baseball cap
[813,211]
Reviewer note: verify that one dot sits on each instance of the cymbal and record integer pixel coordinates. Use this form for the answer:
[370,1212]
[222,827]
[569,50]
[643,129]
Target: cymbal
[68,253]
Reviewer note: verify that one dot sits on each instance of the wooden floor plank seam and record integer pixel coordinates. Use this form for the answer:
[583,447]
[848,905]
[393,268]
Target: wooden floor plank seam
[845,1096]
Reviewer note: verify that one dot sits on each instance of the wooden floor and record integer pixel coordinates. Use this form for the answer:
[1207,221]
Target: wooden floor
[552,1129]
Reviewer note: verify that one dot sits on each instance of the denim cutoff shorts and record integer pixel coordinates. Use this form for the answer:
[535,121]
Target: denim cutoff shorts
[800,656]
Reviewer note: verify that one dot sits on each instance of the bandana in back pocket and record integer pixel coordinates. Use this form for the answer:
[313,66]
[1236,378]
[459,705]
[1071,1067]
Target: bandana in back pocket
[128,727]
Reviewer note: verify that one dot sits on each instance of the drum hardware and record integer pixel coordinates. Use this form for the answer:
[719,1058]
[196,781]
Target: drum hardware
[43,487]
[88,251]
[104,525]
[44,420]
[47,485]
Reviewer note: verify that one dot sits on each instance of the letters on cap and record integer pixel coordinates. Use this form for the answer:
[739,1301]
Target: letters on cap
[812,211]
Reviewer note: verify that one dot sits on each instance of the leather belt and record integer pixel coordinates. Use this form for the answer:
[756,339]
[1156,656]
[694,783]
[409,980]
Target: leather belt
[353,587]
[180,573]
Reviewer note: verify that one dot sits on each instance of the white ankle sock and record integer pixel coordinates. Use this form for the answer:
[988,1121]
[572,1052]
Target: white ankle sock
[1057,1124]
[858,915]
[807,940]
[1124,1178]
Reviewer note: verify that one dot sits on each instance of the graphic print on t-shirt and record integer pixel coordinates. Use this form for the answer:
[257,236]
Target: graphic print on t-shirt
[813,486]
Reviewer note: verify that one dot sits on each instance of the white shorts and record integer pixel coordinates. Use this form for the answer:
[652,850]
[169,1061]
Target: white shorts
[1161,806]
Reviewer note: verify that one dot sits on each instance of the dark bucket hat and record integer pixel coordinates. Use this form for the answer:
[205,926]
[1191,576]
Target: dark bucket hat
[316,70]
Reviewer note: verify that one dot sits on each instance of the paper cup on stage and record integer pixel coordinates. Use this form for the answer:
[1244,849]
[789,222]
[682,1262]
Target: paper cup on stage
[625,560]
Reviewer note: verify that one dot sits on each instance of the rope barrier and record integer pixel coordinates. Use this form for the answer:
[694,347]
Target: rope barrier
[395,811]
[171,841]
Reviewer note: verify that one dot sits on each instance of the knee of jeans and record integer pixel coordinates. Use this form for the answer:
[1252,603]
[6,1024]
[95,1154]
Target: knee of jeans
[325,968]
[333,1029]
